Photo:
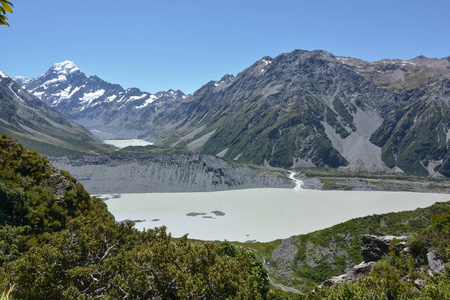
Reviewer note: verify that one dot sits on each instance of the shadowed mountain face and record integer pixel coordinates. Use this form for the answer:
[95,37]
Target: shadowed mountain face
[38,126]
[299,109]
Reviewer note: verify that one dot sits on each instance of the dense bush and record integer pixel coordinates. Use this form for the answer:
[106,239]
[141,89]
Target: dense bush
[33,193]
[109,260]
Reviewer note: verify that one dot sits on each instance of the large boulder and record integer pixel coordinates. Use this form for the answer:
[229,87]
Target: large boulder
[373,248]
[352,275]
[435,263]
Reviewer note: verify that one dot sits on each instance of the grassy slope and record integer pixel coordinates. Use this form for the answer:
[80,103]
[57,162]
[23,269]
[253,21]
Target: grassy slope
[328,252]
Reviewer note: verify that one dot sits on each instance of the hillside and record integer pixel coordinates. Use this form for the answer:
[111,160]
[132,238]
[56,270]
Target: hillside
[415,267]
[305,261]
[39,127]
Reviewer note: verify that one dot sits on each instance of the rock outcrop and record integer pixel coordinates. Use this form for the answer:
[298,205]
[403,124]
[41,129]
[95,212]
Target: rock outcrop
[352,275]
[436,263]
[373,248]
[159,173]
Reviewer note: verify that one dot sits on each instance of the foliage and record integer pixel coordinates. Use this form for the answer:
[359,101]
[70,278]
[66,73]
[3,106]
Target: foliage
[5,6]
[435,237]
[5,295]
[115,261]
[378,287]
[13,241]
[33,193]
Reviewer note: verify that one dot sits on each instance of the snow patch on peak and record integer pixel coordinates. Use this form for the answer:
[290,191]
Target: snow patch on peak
[151,99]
[89,97]
[266,61]
[38,94]
[65,67]
[111,98]
[219,83]
[66,94]
[133,98]
[3,75]
[60,78]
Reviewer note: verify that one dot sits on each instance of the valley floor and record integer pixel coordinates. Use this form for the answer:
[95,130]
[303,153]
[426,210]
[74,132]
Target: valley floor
[339,180]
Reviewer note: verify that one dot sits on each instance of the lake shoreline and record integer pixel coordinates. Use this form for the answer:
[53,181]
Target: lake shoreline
[259,214]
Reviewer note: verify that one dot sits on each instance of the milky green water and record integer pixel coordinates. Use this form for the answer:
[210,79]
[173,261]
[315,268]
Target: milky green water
[260,214]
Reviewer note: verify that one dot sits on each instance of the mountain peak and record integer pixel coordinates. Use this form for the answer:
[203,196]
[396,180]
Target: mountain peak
[65,67]
[3,75]
[266,59]
[227,78]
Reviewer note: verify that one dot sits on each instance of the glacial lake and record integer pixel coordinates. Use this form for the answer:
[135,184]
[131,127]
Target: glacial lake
[126,143]
[258,214]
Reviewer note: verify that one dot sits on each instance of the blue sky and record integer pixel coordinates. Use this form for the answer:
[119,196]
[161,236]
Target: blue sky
[182,44]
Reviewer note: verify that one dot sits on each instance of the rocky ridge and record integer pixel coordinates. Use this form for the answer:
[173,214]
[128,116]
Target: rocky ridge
[304,261]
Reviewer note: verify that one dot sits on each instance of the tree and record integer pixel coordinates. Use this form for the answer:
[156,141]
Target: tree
[5,6]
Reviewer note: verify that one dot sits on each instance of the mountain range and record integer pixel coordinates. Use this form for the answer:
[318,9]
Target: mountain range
[299,109]
[39,127]
[106,109]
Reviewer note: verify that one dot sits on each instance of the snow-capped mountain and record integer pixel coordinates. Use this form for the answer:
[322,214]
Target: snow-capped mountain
[106,109]
[40,127]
